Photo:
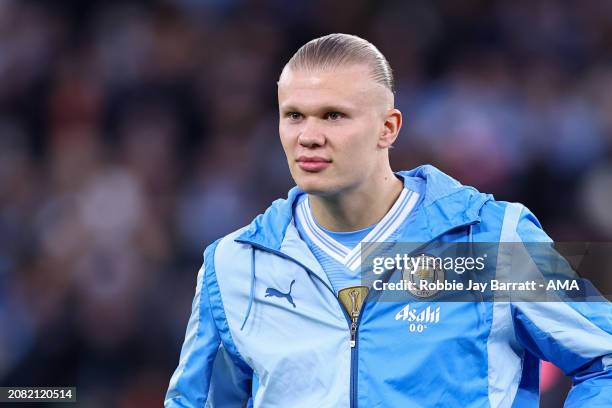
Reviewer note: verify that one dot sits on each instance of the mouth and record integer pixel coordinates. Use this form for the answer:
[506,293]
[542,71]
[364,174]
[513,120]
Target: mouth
[313,164]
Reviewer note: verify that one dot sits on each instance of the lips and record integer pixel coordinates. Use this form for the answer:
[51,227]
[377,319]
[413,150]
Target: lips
[313,164]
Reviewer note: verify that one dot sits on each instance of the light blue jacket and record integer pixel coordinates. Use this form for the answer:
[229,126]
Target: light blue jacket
[243,348]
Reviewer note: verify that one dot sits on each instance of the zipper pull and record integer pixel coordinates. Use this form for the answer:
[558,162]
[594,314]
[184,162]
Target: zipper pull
[353,333]
[352,299]
[354,295]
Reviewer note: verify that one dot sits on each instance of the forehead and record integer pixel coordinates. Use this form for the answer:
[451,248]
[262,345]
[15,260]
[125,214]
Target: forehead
[350,85]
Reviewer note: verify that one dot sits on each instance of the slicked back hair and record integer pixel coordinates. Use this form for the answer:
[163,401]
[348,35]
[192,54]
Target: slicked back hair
[336,50]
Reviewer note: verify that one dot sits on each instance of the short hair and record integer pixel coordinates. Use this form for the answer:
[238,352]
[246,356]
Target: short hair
[335,50]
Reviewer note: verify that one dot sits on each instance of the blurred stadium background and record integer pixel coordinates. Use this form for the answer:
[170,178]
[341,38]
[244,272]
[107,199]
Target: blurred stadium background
[132,134]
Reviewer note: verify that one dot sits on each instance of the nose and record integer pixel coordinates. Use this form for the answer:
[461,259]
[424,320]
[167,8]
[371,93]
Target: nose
[311,134]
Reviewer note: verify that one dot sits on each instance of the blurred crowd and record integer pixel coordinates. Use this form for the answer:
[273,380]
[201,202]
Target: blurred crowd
[132,134]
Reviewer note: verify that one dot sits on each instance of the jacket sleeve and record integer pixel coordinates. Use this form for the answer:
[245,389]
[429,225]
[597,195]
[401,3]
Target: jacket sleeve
[207,375]
[575,336]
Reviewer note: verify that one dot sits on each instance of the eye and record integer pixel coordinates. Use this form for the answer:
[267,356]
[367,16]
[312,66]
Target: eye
[334,115]
[294,115]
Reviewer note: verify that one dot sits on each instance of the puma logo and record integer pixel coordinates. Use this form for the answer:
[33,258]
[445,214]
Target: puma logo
[277,293]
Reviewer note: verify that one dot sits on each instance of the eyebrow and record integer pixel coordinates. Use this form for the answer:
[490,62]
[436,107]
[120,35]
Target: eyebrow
[324,108]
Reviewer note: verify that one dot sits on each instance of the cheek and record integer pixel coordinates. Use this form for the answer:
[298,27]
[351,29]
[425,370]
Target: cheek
[287,141]
[361,141]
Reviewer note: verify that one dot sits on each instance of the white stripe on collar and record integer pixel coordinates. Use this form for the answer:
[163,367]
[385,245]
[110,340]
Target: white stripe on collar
[382,231]
[327,244]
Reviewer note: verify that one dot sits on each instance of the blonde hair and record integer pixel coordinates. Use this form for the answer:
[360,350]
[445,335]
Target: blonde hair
[335,50]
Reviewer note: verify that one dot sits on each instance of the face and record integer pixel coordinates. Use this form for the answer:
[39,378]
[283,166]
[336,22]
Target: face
[335,127]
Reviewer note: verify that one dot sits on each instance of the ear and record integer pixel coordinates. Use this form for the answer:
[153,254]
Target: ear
[391,128]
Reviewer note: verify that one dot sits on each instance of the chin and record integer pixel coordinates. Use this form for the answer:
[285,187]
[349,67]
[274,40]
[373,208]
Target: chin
[317,187]
[320,184]
[312,187]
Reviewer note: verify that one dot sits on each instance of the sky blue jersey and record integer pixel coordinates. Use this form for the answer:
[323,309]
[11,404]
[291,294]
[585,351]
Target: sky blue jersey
[339,253]
[266,329]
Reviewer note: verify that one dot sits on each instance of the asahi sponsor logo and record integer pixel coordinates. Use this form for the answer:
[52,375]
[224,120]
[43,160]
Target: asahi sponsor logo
[419,319]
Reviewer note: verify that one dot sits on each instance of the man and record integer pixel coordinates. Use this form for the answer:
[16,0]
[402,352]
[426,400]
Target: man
[282,318]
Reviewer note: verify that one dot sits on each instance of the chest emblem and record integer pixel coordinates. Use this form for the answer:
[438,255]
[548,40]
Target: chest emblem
[277,293]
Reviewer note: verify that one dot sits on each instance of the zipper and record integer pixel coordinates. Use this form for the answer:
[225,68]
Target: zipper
[353,321]
[353,295]
[353,391]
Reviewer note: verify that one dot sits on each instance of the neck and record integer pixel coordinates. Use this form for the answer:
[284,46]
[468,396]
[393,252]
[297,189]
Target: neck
[358,207]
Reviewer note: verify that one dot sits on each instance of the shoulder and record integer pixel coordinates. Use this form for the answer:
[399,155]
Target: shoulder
[266,230]
[514,221]
[225,249]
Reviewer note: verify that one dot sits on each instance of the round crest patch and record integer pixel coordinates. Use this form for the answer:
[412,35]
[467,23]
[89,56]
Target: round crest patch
[422,274]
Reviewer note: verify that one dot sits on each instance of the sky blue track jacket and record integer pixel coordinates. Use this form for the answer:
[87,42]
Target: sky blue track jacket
[243,348]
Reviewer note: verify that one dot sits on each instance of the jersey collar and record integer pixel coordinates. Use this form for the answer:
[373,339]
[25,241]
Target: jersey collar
[351,258]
